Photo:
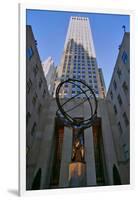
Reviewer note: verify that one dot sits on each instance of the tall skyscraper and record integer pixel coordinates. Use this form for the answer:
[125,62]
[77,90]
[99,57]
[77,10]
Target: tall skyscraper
[79,58]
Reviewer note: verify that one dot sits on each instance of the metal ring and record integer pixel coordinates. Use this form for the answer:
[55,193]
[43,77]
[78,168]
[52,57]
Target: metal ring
[68,120]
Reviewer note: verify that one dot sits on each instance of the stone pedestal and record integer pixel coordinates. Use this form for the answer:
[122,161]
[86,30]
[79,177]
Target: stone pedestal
[77,174]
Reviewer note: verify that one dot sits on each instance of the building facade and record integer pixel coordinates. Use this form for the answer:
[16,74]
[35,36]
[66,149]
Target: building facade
[36,97]
[79,58]
[119,95]
[50,73]
[103,87]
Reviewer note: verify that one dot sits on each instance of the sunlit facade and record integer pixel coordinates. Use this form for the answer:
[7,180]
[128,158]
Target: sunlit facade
[79,58]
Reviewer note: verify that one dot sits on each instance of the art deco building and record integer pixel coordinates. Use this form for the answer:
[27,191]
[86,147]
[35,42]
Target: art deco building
[50,73]
[119,95]
[79,58]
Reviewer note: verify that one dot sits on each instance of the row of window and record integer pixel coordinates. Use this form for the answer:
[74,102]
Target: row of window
[79,56]
[124,146]
[29,84]
[78,62]
[74,92]
[124,87]
[78,76]
[78,70]
[78,67]
[80,18]
[76,86]
[83,72]
[77,89]
[78,49]
[125,118]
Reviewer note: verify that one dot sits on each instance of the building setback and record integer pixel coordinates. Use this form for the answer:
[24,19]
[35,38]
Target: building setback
[103,87]
[79,58]
[119,96]
[50,73]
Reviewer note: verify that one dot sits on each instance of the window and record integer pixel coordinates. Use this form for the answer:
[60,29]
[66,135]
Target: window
[119,73]
[125,150]
[115,109]
[124,57]
[44,94]
[115,85]
[35,70]
[40,83]
[29,85]
[66,86]
[29,53]
[120,128]
[119,100]
[125,119]
[28,116]
[33,129]
[125,87]
[34,99]
[111,95]
[39,108]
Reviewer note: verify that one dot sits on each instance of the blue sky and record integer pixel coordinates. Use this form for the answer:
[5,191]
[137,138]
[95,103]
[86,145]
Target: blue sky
[50,28]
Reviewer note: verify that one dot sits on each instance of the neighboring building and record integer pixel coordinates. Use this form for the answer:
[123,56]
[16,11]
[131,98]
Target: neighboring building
[79,59]
[103,87]
[119,95]
[36,98]
[50,73]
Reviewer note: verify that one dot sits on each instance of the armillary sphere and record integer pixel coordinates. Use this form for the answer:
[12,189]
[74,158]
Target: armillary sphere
[85,93]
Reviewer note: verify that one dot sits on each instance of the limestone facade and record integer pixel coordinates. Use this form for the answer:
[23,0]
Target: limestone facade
[119,96]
